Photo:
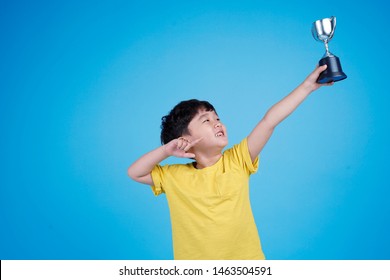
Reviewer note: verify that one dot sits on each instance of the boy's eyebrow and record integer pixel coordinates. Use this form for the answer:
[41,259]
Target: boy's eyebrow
[205,114]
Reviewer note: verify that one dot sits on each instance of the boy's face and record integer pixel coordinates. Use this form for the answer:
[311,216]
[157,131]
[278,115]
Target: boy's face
[207,125]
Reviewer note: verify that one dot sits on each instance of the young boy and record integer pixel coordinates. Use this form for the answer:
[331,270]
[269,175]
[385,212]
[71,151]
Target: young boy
[209,198]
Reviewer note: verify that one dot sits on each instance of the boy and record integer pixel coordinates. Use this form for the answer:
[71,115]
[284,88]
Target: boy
[209,198]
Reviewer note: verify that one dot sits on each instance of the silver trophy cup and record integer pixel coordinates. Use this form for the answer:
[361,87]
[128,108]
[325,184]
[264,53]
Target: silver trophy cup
[323,31]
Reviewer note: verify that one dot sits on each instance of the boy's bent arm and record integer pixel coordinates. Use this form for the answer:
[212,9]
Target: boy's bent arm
[141,169]
[281,110]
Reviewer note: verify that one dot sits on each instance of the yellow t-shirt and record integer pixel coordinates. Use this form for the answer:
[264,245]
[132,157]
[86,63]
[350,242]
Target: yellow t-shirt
[210,209]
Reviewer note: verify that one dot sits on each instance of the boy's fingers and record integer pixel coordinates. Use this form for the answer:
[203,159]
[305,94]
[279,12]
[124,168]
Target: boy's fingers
[186,148]
[193,143]
[329,84]
[182,143]
[189,155]
[322,68]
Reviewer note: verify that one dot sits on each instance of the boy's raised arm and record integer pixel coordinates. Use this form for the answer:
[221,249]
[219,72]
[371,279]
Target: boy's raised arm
[281,110]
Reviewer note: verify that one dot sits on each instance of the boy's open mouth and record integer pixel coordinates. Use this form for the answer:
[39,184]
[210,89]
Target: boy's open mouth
[219,134]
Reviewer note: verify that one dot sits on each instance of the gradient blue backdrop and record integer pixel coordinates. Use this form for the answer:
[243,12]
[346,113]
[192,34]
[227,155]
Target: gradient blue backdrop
[83,85]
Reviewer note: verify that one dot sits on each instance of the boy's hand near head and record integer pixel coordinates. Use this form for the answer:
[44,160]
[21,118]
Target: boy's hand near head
[180,147]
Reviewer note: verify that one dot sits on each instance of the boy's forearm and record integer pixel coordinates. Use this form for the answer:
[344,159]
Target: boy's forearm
[145,164]
[281,110]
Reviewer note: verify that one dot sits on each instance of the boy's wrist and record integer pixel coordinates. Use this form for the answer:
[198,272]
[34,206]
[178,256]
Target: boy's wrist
[164,151]
[309,87]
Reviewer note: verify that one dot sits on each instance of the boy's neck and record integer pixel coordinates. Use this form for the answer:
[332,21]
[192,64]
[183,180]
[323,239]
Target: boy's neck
[206,161]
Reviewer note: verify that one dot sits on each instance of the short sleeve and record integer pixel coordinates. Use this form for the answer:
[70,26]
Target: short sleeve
[158,178]
[240,154]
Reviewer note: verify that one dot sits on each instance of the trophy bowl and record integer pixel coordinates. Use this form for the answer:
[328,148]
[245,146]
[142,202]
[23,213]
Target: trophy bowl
[323,29]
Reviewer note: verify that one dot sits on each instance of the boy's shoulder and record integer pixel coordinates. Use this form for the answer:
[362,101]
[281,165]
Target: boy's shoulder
[178,166]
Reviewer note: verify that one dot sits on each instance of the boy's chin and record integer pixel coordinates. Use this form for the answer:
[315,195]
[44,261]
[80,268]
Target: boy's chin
[223,143]
[219,145]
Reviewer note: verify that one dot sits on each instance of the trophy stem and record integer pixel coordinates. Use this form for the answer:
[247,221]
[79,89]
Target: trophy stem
[326,49]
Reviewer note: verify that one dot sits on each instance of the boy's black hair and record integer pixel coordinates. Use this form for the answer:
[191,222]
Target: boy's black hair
[175,124]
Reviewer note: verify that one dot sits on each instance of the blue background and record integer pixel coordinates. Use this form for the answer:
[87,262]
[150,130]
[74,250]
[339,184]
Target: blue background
[84,85]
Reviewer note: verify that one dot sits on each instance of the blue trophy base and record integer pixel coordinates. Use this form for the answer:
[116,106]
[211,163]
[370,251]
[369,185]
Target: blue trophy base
[333,73]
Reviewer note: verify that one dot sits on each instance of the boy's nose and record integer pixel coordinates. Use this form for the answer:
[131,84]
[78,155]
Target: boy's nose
[218,124]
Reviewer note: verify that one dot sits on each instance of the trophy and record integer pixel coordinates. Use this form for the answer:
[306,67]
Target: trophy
[323,31]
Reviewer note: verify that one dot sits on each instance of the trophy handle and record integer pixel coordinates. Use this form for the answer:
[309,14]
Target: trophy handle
[333,18]
[333,24]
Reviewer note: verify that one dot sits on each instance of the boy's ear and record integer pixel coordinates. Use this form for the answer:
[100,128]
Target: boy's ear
[186,136]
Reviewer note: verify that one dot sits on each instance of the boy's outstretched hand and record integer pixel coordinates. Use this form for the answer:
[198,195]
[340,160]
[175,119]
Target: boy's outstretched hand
[179,147]
[311,80]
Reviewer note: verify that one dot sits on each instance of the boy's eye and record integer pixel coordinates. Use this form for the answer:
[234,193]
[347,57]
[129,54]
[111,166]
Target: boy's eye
[205,121]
